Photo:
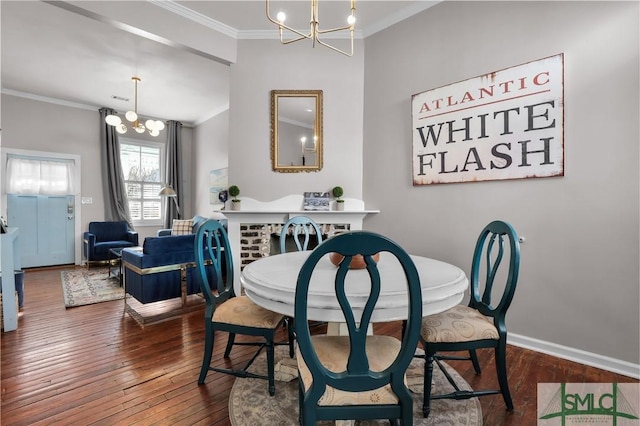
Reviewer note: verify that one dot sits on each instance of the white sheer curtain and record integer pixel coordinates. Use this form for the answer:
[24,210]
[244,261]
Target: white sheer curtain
[39,176]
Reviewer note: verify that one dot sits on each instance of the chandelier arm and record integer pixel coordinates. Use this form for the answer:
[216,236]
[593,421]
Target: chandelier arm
[348,27]
[335,48]
[293,30]
[295,39]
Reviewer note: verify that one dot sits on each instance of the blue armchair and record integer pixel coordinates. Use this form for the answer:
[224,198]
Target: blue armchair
[103,236]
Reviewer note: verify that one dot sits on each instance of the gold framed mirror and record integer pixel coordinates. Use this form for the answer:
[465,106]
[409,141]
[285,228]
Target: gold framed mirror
[296,130]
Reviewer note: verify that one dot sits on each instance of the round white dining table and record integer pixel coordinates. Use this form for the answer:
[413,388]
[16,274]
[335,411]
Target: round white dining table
[271,283]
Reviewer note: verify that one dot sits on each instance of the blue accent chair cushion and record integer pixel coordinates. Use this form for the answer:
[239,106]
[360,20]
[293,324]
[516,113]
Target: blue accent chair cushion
[147,281]
[103,236]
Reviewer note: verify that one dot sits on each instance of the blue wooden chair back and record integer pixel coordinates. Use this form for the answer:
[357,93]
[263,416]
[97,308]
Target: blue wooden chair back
[497,246]
[212,247]
[496,241]
[358,377]
[301,227]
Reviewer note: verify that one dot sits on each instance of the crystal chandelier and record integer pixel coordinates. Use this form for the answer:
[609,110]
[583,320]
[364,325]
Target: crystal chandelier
[152,126]
[314,32]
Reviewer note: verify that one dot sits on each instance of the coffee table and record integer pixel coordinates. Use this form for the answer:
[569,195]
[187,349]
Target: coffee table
[116,254]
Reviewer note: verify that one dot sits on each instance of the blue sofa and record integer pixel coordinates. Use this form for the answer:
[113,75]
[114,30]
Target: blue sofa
[103,236]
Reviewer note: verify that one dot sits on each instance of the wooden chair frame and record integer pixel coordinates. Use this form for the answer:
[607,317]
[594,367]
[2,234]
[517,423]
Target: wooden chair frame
[490,248]
[357,377]
[212,245]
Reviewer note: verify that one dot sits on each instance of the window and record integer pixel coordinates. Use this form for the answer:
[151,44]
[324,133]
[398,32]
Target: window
[143,173]
[39,176]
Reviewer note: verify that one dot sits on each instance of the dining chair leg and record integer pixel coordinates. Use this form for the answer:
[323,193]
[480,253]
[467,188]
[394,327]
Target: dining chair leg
[501,368]
[208,352]
[290,335]
[271,367]
[474,360]
[230,340]
[428,376]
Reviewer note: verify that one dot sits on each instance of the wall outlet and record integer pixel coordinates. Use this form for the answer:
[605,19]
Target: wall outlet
[87,200]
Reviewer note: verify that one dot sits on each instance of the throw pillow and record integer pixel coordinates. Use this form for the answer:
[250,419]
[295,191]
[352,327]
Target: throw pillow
[182,227]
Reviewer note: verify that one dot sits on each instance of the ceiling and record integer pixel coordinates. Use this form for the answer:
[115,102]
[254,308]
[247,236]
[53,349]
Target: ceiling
[83,53]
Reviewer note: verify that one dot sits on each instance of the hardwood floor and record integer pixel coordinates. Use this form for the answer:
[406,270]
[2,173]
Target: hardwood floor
[94,365]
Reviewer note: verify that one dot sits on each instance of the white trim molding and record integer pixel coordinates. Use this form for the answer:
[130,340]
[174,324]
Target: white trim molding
[577,355]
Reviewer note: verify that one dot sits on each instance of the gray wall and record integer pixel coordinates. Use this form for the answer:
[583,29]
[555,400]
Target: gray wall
[265,65]
[210,152]
[579,283]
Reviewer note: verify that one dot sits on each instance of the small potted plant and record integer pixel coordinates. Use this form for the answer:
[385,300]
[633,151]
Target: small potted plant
[338,192]
[234,191]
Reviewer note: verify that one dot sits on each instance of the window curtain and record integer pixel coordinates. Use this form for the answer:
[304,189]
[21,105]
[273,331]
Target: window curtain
[33,176]
[173,171]
[116,205]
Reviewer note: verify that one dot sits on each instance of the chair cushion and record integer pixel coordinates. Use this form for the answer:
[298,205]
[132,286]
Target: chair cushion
[458,324]
[182,227]
[242,311]
[333,353]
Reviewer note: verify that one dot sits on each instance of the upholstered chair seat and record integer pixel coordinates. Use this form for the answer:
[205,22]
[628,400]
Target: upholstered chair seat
[242,311]
[333,353]
[458,324]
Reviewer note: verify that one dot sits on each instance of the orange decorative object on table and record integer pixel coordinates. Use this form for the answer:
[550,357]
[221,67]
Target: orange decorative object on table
[357,262]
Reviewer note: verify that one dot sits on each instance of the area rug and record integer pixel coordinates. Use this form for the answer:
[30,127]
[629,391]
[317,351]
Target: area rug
[88,286]
[250,403]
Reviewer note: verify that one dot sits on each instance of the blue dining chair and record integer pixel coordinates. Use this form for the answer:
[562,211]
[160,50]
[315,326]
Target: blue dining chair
[355,376]
[481,324]
[227,312]
[300,227]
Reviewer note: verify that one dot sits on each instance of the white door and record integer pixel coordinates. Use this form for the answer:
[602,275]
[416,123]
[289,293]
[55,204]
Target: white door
[46,225]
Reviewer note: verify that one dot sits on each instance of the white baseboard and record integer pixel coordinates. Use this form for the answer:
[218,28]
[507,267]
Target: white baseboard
[577,355]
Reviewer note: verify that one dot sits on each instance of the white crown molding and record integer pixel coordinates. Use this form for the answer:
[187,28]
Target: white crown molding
[208,22]
[576,355]
[194,16]
[400,15]
[78,105]
[49,100]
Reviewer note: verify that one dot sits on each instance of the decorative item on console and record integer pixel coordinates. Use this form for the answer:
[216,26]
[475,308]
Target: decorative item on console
[338,192]
[234,191]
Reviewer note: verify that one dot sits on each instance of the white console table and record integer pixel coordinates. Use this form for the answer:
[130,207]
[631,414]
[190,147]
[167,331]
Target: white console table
[279,211]
[10,262]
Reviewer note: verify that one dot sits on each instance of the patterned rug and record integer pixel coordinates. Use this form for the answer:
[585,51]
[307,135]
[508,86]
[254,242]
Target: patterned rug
[83,286]
[250,403]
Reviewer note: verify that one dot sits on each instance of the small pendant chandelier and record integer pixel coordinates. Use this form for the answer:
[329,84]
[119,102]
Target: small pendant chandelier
[314,32]
[152,126]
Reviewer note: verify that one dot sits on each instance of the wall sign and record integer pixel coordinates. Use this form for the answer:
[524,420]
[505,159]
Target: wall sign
[508,124]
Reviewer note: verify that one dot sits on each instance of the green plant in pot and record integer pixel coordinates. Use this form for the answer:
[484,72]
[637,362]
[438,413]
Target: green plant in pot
[337,193]
[234,191]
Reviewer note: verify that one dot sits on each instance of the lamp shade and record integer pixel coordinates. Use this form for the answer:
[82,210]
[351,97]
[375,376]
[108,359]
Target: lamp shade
[167,191]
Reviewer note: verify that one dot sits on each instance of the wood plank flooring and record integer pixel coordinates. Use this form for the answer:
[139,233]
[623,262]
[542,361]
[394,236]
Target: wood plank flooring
[94,365]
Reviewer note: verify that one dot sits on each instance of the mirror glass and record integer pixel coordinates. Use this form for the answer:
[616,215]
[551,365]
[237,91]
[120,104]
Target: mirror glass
[296,130]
